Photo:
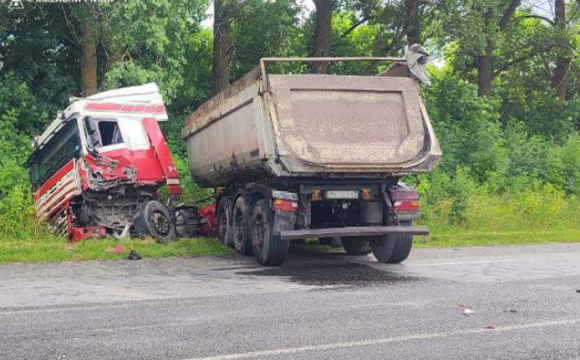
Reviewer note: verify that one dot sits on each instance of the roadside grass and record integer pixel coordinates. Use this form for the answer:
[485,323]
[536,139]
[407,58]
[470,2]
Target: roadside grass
[465,238]
[55,249]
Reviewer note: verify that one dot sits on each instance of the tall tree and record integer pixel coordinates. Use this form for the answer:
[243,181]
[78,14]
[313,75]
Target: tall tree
[222,46]
[88,59]
[478,26]
[321,40]
[413,21]
[563,60]
[485,70]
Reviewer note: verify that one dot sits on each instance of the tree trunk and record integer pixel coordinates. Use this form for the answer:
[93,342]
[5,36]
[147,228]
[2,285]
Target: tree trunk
[321,43]
[485,71]
[413,21]
[222,44]
[88,59]
[562,62]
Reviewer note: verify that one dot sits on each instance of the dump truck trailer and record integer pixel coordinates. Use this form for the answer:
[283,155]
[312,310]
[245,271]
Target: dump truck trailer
[315,156]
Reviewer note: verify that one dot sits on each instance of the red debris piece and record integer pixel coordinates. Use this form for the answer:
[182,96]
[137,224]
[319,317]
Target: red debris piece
[118,249]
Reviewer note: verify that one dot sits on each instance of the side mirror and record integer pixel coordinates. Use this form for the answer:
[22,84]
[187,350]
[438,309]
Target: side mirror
[90,125]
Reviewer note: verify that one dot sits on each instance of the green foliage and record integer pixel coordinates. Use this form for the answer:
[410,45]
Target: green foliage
[467,127]
[156,46]
[19,116]
[262,29]
[192,193]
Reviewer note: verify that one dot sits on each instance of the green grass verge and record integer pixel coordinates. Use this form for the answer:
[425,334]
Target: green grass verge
[463,238]
[58,249]
[54,249]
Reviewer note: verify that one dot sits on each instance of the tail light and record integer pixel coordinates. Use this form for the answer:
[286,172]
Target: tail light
[284,201]
[405,199]
[407,206]
[285,205]
[366,194]
[316,195]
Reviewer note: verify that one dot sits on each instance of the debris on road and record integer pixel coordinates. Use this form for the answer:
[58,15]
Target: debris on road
[134,255]
[468,312]
[118,249]
[490,327]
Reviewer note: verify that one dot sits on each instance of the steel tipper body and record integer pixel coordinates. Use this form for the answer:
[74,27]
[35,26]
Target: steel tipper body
[301,156]
[97,168]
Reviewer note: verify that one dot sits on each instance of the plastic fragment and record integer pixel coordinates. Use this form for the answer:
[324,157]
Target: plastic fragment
[118,249]
[468,312]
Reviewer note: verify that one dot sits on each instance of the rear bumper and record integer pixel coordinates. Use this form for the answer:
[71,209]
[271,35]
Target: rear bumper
[353,231]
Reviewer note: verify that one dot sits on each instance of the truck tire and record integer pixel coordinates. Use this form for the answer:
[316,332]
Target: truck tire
[382,247]
[241,225]
[224,224]
[153,219]
[356,245]
[403,246]
[268,249]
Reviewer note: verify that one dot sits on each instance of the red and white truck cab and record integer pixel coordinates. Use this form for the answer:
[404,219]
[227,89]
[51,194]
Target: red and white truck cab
[98,167]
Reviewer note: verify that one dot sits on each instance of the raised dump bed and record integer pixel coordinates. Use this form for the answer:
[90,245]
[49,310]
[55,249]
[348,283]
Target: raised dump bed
[310,125]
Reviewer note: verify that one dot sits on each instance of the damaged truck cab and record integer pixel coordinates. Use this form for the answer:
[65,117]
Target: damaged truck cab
[99,166]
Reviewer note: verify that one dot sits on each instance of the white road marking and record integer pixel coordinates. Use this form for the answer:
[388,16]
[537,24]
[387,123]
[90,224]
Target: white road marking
[353,344]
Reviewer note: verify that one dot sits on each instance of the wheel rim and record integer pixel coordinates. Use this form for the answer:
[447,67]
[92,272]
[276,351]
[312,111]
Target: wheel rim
[179,218]
[160,222]
[240,226]
[222,223]
[258,233]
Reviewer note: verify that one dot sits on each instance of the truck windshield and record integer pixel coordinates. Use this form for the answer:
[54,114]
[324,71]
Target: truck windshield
[64,146]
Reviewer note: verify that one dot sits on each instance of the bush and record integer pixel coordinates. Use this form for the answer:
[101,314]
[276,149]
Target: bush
[467,127]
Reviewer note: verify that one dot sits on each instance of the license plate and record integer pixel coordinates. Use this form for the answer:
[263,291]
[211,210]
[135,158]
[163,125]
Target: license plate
[341,194]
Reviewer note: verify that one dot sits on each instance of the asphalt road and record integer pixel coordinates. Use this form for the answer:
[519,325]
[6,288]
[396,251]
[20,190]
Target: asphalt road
[525,302]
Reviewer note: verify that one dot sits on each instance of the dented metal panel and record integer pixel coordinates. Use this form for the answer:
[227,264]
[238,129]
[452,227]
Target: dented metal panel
[311,125]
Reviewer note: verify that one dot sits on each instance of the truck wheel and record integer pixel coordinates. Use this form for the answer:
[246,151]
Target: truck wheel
[356,245]
[241,225]
[382,247]
[224,225]
[153,219]
[402,248]
[268,249]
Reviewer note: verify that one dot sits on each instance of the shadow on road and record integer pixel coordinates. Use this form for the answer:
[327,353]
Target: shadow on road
[315,268]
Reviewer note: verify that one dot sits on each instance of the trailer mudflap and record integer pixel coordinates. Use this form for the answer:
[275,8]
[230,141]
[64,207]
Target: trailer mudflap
[352,231]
